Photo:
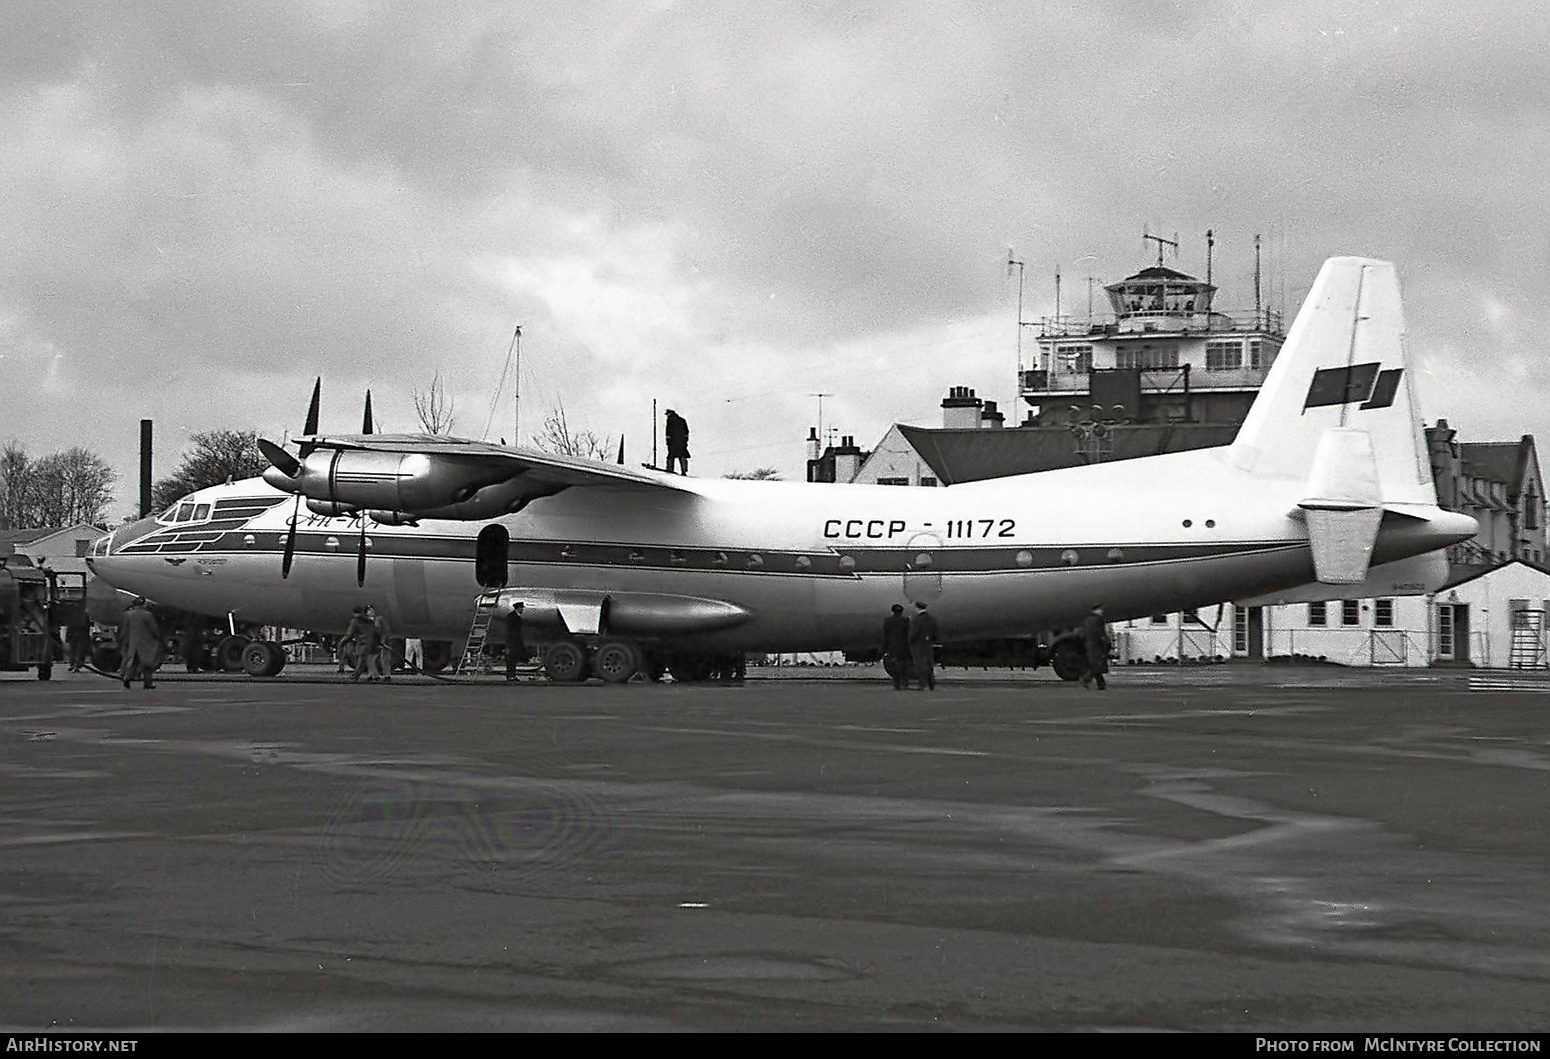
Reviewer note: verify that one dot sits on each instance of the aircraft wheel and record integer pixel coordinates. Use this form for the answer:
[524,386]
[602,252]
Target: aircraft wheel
[616,661]
[1068,660]
[277,659]
[228,653]
[565,662]
[435,655]
[256,659]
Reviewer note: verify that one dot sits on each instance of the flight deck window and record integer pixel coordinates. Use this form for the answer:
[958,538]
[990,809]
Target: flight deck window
[185,512]
[201,512]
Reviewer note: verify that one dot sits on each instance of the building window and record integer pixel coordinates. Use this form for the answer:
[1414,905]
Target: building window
[1224,355]
[1350,612]
[1148,359]
[893,481]
[1383,613]
[1256,349]
[1531,510]
[1317,615]
[928,481]
[1159,619]
[1075,359]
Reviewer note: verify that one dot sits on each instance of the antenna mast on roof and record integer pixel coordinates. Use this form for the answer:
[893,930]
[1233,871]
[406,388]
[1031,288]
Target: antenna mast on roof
[1161,242]
[1210,244]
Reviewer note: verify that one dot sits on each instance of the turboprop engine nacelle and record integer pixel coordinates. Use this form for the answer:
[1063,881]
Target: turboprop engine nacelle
[409,482]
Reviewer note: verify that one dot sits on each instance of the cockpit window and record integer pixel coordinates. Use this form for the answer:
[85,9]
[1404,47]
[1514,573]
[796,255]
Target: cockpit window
[185,511]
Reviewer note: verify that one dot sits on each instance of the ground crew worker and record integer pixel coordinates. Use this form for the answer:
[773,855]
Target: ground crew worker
[1095,638]
[139,643]
[923,647]
[78,639]
[896,647]
[516,650]
[677,442]
[359,636]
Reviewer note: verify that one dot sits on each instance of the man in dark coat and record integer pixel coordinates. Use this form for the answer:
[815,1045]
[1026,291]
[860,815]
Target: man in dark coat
[1095,638]
[923,647]
[361,636]
[516,650]
[896,647]
[677,442]
[78,639]
[139,644]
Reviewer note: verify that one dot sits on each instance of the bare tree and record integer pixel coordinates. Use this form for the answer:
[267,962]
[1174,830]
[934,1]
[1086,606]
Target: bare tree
[557,436]
[14,465]
[434,408]
[61,489]
[213,457]
[758,474]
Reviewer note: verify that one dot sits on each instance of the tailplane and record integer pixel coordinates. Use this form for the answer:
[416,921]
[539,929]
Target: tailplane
[1338,413]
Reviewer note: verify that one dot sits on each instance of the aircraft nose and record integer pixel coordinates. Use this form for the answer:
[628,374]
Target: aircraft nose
[106,547]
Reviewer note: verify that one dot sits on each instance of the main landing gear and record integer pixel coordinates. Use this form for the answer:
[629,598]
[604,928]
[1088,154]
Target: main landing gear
[619,661]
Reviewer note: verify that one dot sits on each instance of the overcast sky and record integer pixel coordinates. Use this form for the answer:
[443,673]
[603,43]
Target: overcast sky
[728,207]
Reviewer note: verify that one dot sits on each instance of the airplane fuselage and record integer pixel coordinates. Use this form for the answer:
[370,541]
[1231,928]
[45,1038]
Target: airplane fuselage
[772,566]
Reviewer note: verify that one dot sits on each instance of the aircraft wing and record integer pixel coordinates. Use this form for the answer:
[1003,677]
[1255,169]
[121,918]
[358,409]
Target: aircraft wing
[431,476]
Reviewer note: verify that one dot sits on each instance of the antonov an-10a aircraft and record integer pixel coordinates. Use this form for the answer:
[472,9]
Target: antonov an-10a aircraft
[1325,493]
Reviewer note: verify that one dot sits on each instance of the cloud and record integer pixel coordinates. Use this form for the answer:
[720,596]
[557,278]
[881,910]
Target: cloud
[730,207]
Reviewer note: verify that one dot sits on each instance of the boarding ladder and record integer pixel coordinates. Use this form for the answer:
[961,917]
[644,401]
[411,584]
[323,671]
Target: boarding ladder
[1528,641]
[474,658]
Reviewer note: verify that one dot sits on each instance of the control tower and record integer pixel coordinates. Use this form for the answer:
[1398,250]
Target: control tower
[1162,354]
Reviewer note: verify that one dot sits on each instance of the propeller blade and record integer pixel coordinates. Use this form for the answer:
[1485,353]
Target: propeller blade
[279,459]
[290,539]
[360,558]
[313,408]
[366,419]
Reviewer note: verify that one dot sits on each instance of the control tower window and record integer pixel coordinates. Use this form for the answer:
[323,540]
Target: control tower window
[1224,355]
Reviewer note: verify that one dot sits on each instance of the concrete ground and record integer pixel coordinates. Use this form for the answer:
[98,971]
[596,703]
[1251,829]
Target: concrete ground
[1230,848]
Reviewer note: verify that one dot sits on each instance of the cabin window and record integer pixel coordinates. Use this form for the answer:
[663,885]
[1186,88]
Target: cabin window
[1317,614]
[1350,612]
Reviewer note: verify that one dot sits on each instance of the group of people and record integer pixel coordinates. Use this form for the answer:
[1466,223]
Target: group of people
[909,647]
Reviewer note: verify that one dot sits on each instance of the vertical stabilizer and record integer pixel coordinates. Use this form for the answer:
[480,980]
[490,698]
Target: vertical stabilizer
[1343,369]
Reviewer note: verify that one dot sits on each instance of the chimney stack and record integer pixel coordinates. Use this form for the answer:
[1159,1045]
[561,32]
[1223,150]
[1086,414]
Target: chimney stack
[145,468]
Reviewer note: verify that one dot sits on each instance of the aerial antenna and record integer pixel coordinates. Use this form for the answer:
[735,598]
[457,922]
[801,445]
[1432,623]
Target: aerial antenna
[1257,321]
[1057,299]
[513,357]
[1011,263]
[1210,244]
[1161,242]
[820,397]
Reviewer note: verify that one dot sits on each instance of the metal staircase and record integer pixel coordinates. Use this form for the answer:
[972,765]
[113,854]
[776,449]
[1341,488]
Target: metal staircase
[1528,641]
[474,659]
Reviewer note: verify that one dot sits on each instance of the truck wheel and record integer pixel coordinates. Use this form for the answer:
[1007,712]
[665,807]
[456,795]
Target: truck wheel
[616,661]
[565,662]
[1068,660]
[256,659]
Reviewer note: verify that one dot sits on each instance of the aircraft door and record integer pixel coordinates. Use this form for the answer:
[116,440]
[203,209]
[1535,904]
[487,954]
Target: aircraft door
[492,555]
[922,577]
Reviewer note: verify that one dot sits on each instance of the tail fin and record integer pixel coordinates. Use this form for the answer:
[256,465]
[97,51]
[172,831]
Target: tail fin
[1338,413]
[1343,367]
